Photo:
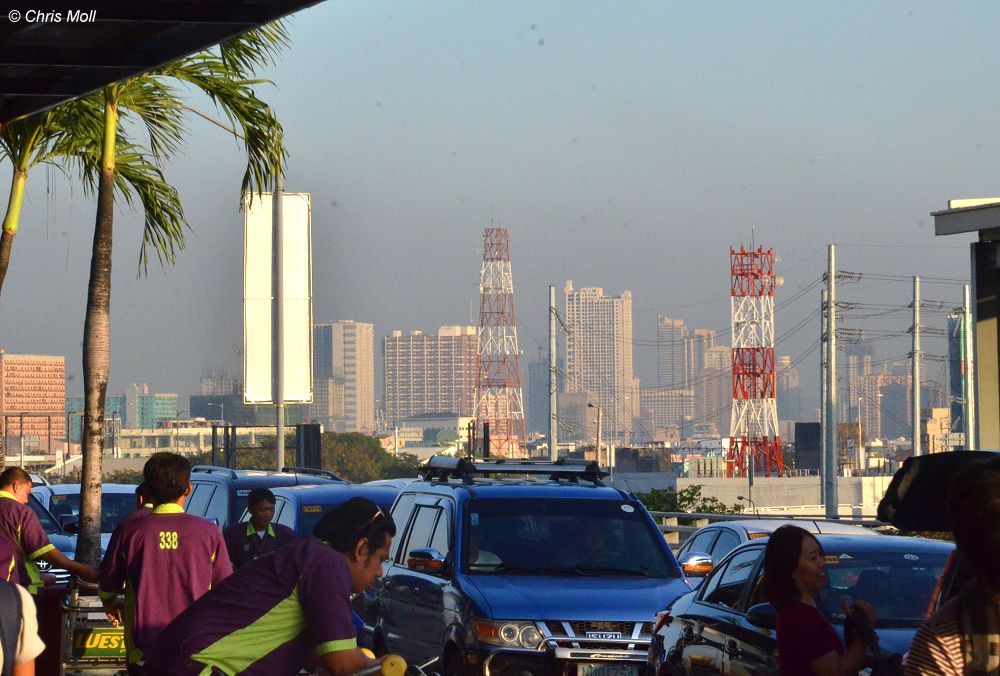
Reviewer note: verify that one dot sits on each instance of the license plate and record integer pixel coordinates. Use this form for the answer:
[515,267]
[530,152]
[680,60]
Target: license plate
[606,670]
[99,643]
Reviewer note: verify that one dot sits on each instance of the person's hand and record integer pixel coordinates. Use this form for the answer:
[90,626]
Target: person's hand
[861,607]
[89,574]
[114,608]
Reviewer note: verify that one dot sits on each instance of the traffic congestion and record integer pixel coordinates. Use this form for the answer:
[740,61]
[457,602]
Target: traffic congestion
[497,567]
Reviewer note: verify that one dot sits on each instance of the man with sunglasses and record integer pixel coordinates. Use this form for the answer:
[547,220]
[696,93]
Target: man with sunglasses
[276,613]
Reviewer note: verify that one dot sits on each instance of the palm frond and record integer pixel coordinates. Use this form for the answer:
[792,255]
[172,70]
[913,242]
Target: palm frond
[244,54]
[157,105]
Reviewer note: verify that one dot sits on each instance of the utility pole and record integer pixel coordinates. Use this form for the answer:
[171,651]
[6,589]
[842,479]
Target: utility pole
[553,394]
[824,468]
[970,371]
[598,453]
[277,319]
[830,480]
[915,363]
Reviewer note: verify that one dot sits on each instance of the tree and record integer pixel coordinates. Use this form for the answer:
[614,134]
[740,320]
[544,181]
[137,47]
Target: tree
[687,499]
[113,164]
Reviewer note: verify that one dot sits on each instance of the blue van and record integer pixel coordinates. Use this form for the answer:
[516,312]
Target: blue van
[520,567]
[301,507]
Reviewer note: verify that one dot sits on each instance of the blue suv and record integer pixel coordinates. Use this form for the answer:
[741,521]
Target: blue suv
[541,569]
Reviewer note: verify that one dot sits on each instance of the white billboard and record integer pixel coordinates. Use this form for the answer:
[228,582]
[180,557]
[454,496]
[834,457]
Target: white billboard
[296,298]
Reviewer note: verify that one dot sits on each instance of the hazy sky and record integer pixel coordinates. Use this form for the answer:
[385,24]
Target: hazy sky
[624,145]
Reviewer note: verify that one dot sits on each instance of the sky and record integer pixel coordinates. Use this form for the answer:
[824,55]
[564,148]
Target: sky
[623,145]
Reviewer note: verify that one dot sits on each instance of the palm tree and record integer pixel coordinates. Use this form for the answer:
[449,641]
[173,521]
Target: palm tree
[117,165]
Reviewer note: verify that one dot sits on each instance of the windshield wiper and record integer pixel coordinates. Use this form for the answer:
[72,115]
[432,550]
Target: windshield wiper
[519,568]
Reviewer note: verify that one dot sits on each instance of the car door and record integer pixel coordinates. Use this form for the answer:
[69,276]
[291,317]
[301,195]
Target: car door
[429,619]
[706,625]
[752,649]
[398,586]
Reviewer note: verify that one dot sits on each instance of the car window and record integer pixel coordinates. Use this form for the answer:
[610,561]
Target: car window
[727,542]
[218,508]
[285,514]
[400,516]
[420,531]
[440,538]
[726,586]
[198,500]
[701,542]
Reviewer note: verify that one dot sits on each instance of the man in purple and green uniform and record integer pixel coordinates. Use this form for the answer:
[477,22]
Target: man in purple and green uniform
[257,537]
[165,559]
[277,613]
[20,527]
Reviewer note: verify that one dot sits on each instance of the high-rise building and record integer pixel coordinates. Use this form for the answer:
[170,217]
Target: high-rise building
[697,347]
[430,374]
[115,407]
[671,357]
[220,382]
[344,376]
[32,393]
[667,408]
[789,391]
[536,403]
[713,399]
[155,409]
[599,356]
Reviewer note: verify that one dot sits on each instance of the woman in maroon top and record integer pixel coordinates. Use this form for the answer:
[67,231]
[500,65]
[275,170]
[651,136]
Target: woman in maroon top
[794,575]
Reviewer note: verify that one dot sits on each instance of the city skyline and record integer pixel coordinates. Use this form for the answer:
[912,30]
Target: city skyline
[659,134]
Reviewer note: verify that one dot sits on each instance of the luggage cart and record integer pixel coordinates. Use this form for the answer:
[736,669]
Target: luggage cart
[91,644]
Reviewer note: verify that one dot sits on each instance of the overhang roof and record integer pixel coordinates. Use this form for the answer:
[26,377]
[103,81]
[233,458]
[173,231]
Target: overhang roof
[45,61]
[964,219]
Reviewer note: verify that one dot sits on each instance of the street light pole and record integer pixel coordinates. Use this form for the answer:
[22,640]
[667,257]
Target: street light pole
[860,449]
[597,451]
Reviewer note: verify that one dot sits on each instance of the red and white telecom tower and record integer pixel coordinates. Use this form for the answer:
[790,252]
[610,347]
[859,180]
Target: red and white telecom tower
[498,381]
[754,445]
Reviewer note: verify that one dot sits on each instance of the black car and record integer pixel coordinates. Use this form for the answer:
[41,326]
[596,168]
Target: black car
[726,627]
[538,569]
[219,493]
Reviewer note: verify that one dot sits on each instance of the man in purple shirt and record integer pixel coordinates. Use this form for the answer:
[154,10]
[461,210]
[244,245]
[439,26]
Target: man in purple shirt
[165,559]
[19,526]
[277,612]
[257,537]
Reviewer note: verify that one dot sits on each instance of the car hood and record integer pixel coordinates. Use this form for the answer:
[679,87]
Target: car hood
[530,597]
[895,640]
[64,543]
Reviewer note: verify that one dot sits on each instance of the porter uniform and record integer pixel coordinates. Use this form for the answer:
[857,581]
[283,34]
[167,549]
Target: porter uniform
[19,525]
[267,619]
[246,545]
[167,560]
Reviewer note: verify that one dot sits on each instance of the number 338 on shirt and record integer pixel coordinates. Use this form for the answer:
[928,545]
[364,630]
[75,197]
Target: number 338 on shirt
[168,539]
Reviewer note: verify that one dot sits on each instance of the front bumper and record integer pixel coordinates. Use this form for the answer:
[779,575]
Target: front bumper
[562,660]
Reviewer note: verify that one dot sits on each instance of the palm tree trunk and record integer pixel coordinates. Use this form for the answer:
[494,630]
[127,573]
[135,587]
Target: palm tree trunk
[97,343]
[10,220]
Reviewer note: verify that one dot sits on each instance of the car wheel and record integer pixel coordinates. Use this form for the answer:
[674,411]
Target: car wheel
[453,663]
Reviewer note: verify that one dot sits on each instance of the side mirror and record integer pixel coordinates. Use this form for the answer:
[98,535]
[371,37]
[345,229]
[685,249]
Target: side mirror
[696,564]
[70,523]
[763,615]
[427,560]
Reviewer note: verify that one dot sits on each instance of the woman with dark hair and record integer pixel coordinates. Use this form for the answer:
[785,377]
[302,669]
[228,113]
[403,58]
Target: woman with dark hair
[794,575]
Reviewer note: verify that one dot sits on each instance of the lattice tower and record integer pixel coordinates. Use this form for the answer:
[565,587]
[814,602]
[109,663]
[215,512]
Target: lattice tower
[754,444]
[498,380]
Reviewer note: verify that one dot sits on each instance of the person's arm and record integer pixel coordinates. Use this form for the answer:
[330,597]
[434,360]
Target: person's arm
[222,567]
[81,570]
[112,578]
[346,661]
[853,659]
[25,668]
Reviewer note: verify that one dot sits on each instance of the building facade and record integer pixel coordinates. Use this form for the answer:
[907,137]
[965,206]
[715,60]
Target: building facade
[599,356]
[430,373]
[671,355]
[344,376]
[666,408]
[32,400]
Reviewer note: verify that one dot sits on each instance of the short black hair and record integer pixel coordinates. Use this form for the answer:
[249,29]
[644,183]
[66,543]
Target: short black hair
[13,475]
[974,512]
[259,495]
[167,476]
[781,558]
[347,523]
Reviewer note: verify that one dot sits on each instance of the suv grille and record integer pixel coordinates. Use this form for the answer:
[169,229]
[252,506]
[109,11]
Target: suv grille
[574,634]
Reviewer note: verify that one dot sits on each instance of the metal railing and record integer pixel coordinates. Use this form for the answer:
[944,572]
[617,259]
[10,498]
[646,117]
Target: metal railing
[675,534]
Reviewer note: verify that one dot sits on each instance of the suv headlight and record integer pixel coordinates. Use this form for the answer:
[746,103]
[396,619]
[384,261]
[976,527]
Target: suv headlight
[509,634]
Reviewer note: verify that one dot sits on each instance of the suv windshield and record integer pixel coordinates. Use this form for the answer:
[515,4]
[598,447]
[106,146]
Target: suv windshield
[897,584]
[114,507]
[562,537]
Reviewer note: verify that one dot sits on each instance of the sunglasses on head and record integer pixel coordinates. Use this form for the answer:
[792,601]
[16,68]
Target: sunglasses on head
[378,513]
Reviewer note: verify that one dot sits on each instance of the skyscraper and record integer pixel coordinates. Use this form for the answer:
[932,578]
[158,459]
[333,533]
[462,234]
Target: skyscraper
[671,358]
[599,355]
[344,376]
[789,392]
[430,374]
[32,393]
[697,347]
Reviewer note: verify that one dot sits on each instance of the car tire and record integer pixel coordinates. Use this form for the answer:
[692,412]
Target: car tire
[453,665]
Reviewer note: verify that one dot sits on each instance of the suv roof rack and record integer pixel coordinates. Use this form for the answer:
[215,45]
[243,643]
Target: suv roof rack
[444,467]
[213,469]
[312,471]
